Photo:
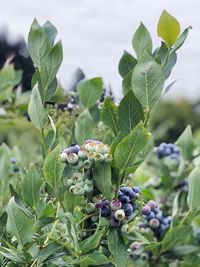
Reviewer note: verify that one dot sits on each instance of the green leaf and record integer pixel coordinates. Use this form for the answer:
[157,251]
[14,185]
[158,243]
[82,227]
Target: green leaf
[184,250]
[180,40]
[175,236]
[169,65]
[36,111]
[84,127]
[129,112]
[126,64]
[12,255]
[51,64]
[50,31]
[147,83]
[186,143]
[142,41]
[53,168]
[9,78]
[31,186]
[93,259]
[109,115]
[194,185]
[126,83]
[91,242]
[102,179]
[168,28]
[128,149]
[117,248]
[90,91]
[18,224]
[38,44]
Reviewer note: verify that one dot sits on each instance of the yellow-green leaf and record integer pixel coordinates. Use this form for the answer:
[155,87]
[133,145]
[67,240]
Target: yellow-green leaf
[168,28]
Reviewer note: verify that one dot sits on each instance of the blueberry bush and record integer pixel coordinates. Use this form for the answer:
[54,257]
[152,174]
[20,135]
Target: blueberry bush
[89,187]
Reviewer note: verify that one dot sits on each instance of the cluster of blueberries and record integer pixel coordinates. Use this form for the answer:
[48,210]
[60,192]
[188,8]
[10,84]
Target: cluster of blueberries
[164,150]
[154,219]
[90,152]
[79,184]
[120,210]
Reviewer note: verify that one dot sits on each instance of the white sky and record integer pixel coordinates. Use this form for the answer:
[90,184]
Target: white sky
[94,34]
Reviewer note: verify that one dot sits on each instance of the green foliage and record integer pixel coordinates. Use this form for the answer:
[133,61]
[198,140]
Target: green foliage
[142,41]
[31,186]
[90,91]
[126,64]
[109,115]
[147,82]
[36,110]
[84,126]
[129,112]
[127,151]
[102,179]
[53,168]
[193,194]
[18,224]
[117,248]
[9,78]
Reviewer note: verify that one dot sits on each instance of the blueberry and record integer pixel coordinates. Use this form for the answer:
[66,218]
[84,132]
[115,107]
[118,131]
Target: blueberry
[105,202]
[123,198]
[154,223]
[105,211]
[136,189]
[134,205]
[150,216]
[146,210]
[74,148]
[128,209]
[152,204]
[114,222]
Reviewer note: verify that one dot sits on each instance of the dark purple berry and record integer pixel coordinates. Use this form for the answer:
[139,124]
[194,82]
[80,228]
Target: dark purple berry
[114,222]
[105,212]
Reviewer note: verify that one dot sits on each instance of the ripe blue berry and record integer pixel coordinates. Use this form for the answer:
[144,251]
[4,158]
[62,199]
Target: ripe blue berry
[105,211]
[74,148]
[123,198]
[146,210]
[152,204]
[128,209]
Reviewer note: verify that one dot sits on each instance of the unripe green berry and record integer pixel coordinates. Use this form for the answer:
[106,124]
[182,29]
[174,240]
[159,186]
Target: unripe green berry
[82,154]
[71,189]
[119,215]
[88,188]
[79,191]
[108,157]
[99,157]
[72,158]
[69,182]
[63,157]
[87,164]
[91,156]
[90,207]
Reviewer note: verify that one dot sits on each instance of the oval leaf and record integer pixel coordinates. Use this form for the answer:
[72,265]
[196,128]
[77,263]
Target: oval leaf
[168,28]
[130,113]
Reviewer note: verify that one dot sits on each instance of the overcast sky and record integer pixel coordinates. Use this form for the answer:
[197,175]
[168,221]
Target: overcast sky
[94,34]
